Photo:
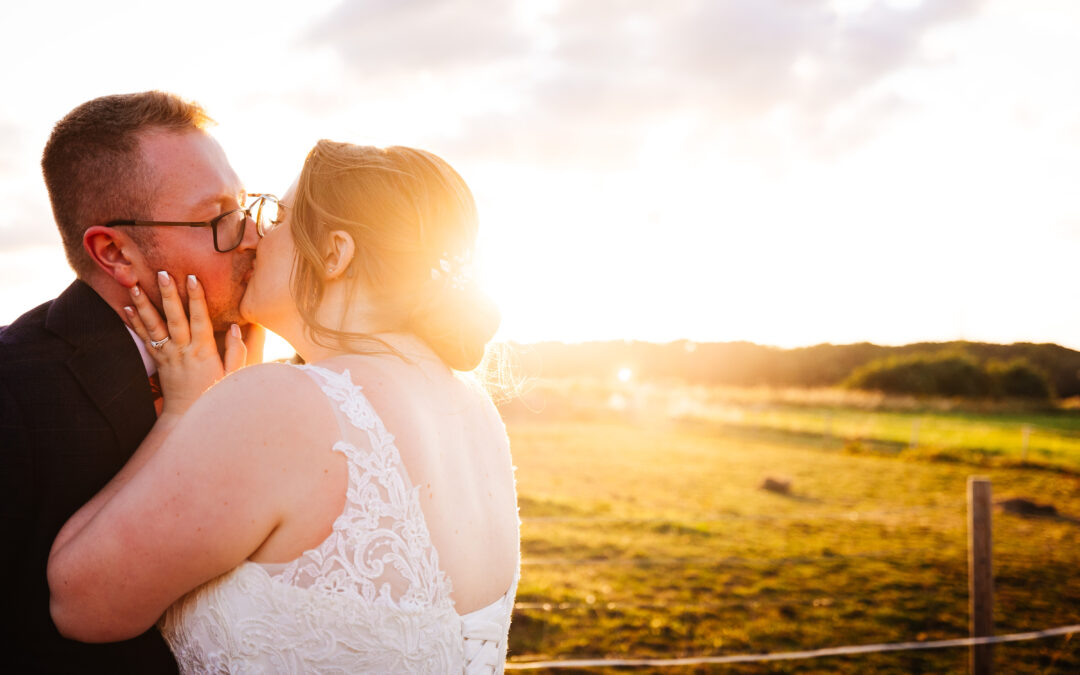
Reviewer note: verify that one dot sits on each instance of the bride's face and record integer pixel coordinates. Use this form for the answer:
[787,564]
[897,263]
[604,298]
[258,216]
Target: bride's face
[268,299]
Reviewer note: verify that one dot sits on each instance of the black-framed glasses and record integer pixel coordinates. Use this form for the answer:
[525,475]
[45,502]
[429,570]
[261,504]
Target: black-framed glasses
[228,227]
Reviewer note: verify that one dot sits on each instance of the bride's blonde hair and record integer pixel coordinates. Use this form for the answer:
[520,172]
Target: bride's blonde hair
[413,221]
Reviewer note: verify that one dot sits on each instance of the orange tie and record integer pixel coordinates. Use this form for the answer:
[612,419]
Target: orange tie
[155,389]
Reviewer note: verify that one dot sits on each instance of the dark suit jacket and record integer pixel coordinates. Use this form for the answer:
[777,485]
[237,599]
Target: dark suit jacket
[74,405]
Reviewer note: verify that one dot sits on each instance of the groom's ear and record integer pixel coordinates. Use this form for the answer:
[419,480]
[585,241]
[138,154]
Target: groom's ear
[339,252]
[113,253]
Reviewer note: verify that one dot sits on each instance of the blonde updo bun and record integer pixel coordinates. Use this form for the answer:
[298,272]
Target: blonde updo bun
[458,324]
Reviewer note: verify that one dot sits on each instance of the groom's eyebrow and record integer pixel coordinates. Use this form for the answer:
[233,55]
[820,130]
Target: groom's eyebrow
[222,200]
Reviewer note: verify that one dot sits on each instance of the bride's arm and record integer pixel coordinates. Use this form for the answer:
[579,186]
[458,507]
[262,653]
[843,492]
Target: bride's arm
[201,493]
[218,486]
[187,368]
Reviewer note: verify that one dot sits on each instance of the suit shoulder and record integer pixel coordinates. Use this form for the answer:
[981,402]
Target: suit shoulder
[26,339]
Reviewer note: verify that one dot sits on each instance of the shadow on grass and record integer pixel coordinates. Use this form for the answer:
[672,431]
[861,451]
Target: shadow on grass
[978,457]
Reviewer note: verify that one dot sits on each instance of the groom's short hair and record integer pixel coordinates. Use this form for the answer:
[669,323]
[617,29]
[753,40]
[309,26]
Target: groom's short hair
[93,167]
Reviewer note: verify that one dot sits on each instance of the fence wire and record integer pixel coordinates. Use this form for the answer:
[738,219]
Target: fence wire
[792,656]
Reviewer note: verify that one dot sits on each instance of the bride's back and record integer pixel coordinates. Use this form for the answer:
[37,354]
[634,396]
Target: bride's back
[396,548]
[455,451]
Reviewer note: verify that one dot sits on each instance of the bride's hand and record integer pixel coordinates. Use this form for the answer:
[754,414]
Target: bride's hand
[184,350]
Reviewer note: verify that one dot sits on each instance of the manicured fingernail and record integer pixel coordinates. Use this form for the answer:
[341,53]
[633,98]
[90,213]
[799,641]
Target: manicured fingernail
[236,331]
[163,278]
[135,290]
[192,282]
[129,310]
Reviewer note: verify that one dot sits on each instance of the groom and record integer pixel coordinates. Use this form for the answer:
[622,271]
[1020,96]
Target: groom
[75,393]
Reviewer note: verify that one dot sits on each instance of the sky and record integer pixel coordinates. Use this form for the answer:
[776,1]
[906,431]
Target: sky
[788,172]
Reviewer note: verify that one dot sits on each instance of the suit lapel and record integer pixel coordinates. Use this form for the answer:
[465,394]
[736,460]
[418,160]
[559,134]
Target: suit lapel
[105,362]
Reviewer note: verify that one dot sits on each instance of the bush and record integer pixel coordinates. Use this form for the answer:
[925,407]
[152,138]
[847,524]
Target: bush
[1018,378]
[953,373]
[924,374]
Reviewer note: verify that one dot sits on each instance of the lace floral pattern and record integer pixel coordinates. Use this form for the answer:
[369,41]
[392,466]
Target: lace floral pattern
[380,549]
[370,598]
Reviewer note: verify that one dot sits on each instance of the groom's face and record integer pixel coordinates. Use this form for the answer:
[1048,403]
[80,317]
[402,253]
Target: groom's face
[194,182]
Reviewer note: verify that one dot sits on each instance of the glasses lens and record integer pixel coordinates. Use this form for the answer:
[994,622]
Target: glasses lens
[230,230]
[265,213]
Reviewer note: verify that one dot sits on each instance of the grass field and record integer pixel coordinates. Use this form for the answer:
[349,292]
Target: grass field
[651,538]
[1001,433]
[1051,440]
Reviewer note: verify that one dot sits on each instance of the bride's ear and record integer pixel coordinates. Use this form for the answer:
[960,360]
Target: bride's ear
[338,255]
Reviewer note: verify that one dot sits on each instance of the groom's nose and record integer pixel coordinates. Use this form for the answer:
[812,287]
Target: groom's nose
[251,236]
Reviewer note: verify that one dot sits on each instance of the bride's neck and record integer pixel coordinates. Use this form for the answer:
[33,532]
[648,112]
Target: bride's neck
[348,313]
[338,310]
[405,344]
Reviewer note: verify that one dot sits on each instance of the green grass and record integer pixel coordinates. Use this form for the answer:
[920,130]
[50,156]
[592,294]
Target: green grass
[649,538]
[974,432]
[1053,440]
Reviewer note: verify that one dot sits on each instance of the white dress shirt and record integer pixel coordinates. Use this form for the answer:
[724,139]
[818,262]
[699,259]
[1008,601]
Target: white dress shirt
[147,360]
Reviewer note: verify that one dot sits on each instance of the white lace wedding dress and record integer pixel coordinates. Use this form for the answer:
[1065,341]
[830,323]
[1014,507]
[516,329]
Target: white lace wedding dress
[370,599]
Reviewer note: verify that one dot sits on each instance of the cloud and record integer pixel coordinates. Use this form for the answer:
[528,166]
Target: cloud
[28,219]
[11,140]
[586,80]
[29,224]
[384,38]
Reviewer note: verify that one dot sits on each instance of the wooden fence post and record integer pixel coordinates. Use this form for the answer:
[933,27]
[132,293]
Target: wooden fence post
[980,573]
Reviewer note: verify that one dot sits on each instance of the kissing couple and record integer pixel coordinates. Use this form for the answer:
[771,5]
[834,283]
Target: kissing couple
[353,514]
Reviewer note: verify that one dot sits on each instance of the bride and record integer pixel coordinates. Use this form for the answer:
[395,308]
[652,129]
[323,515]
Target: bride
[356,514]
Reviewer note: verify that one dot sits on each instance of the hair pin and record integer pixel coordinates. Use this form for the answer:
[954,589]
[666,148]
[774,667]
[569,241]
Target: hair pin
[456,270]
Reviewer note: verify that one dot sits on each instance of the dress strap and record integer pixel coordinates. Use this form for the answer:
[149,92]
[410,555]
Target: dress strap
[337,387]
[351,402]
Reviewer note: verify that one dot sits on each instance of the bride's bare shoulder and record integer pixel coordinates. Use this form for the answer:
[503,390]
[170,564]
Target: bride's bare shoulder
[267,391]
[253,379]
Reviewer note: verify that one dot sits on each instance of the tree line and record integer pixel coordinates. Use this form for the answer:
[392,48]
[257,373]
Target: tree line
[948,368]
